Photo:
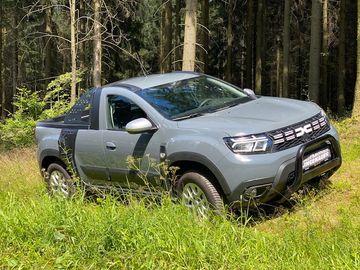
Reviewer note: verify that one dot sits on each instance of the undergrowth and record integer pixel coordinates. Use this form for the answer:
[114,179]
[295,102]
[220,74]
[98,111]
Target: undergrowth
[18,130]
[39,232]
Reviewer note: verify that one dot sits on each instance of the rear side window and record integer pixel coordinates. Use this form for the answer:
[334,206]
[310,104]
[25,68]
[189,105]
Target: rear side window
[80,112]
[122,111]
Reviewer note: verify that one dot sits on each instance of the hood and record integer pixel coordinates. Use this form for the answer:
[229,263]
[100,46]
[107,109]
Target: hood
[256,116]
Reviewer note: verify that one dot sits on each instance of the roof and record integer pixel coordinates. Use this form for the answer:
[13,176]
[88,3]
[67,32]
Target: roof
[155,79]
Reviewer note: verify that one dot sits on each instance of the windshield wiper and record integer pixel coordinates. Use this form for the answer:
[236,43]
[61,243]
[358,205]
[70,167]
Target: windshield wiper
[203,112]
[188,116]
[232,104]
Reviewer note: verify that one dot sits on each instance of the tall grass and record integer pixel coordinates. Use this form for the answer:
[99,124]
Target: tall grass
[50,233]
[38,232]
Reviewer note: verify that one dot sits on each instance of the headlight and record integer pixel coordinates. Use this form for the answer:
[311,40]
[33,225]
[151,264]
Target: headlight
[323,114]
[249,144]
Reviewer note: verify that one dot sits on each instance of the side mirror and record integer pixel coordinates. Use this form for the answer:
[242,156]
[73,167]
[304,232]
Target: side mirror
[139,125]
[249,92]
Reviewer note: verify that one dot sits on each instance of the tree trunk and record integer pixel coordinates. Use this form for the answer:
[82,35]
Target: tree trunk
[229,39]
[73,49]
[14,60]
[356,107]
[325,55]
[82,44]
[190,35]
[166,36]
[342,61]
[2,89]
[9,57]
[259,46]
[315,49]
[168,31]
[162,39]
[249,45]
[97,44]
[279,88]
[301,82]
[48,40]
[204,35]
[177,62]
[286,44]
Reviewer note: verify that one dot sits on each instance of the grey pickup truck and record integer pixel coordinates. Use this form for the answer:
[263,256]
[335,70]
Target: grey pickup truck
[229,145]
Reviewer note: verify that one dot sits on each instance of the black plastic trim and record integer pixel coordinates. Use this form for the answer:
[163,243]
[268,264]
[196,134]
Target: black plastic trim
[66,142]
[48,153]
[94,115]
[61,125]
[300,176]
[235,195]
[195,157]
[93,172]
[322,169]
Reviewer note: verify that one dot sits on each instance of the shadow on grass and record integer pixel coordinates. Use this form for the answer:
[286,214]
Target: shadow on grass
[309,193]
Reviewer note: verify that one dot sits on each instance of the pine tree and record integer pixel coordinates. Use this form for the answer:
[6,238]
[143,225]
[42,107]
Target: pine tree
[356,107]
[315,49]
[190,35]
[97,44]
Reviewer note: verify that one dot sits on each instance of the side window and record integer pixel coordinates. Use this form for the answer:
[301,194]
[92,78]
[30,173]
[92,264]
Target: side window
[121,111]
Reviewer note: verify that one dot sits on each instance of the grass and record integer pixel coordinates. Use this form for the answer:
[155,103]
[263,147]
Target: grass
[322,231]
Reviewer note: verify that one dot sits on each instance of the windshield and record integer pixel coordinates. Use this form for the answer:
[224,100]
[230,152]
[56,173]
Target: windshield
[192,97]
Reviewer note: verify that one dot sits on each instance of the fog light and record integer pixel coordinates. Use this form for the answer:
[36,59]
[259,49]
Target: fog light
[250,193]
[256,191]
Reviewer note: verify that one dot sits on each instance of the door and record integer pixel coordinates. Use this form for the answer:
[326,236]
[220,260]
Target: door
[129,155]
[90,157]
[83,143]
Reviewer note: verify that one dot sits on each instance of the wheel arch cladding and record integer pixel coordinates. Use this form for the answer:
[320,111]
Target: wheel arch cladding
[193,161]
[48,160]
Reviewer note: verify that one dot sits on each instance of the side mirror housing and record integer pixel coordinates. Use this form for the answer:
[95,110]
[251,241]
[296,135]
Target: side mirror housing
[249,92]
[139,125]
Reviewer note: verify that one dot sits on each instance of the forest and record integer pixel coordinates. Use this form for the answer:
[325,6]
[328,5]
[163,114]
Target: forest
[294,48]
[52,51]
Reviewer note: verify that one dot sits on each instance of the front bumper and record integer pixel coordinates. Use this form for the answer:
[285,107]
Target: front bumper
[290,175]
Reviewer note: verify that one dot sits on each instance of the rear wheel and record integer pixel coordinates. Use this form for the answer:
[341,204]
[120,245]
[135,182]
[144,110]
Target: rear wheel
[199,194]
[59,181]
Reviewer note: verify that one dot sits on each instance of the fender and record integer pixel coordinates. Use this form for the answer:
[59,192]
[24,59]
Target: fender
[48,153]
[195,157]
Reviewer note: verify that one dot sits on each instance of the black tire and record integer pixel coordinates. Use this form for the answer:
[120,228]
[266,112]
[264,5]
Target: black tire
[189,182]
[59,182]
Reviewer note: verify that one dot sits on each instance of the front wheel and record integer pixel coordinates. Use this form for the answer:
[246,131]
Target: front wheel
[199,194]
[59,181]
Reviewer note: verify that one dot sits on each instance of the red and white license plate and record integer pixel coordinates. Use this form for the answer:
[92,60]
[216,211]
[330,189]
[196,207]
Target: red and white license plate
[316,158]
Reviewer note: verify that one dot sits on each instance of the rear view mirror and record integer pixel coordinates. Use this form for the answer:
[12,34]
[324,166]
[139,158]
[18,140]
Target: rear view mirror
[139,125]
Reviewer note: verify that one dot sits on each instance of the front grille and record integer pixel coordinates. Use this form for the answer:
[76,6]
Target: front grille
[299,133]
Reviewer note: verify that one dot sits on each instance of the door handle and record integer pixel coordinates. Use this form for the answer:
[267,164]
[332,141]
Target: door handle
[110,146]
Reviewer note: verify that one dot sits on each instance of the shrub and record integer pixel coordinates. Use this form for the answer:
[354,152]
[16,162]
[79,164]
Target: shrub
[18,129]
[57,96]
